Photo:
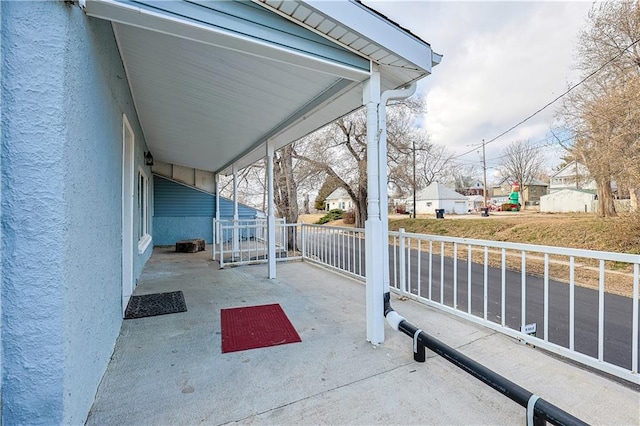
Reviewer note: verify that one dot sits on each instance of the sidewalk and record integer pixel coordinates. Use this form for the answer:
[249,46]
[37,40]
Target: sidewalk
[170,370]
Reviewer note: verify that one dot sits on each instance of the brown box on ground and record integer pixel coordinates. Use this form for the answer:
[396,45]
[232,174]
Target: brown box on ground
[190,246]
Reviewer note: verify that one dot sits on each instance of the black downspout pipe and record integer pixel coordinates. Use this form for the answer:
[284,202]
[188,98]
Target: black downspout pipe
[543,411]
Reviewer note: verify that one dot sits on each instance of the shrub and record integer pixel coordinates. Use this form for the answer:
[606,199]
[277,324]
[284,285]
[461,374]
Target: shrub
[334,214]
[508,207]
[349,217]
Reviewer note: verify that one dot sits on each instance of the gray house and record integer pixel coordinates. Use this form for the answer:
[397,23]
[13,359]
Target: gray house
[93,91]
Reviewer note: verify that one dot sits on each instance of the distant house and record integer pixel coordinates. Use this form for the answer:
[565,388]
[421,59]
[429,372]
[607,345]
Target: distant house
[437,196]
[475,202]
[569,200]
[475,189]
[531,192]
[572,176]
[338,199]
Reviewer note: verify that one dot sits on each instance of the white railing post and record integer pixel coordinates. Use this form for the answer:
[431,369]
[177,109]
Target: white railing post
[442,272]
[601,312]
[419,268]
[214,239]
[486,281]
[303,238]
[546,297]
[221,249]
[469,262]
[523,291]
[572,306]
[503,292]
[455,275]
[402,260]
[634,332]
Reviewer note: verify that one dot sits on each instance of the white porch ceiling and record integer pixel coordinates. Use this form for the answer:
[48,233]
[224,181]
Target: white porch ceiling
[212,81]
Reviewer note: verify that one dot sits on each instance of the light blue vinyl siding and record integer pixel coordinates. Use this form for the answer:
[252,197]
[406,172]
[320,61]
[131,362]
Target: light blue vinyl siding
[175,200]
[182,212]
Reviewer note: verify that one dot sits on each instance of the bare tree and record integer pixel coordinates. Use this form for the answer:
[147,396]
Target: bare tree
[604,112]
[434,164]
[462,175]
[340,151]
[522,161]
[285,187]
[285,195]
[250,186]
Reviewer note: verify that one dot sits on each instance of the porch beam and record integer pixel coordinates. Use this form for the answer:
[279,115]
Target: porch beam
[271,214]
[374,240]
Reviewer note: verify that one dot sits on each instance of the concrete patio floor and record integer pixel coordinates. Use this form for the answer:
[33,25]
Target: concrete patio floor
[169,370]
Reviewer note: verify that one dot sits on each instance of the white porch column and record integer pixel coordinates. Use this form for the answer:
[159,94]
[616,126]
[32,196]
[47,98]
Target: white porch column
[217,230]
[374,241]
[271,215]
[236,236]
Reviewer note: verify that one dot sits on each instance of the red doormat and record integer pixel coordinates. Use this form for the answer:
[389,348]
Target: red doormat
[256,327]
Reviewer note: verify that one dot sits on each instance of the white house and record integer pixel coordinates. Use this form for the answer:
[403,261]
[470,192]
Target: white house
[437,196]
[572,176]
[475,202]
[569,200]
[338,199]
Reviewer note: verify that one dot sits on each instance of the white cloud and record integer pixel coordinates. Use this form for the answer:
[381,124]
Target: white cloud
[502,62]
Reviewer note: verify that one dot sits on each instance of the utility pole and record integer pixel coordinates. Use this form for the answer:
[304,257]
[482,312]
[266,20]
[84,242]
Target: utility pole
[484,169]
[413,144]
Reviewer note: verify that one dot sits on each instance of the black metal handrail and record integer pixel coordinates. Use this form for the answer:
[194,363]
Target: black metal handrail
[539,411]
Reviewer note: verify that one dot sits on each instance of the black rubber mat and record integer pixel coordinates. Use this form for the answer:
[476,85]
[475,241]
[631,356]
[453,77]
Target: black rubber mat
[149,305]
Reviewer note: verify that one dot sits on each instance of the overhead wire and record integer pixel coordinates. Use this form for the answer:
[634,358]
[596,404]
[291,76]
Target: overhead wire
[548,104]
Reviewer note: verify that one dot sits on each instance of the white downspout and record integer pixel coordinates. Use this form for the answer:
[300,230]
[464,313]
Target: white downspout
[383,172]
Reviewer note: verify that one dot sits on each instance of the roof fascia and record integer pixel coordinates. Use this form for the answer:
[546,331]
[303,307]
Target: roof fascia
[379,30]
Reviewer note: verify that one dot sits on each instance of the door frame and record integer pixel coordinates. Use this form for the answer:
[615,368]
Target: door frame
[128,145]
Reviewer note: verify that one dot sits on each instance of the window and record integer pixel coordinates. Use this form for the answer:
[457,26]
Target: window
[143,211]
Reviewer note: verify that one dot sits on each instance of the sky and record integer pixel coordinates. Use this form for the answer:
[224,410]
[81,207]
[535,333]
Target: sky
[502,62]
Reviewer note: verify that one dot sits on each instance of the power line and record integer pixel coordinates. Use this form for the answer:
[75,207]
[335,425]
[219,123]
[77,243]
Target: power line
[565,93]
[622,52]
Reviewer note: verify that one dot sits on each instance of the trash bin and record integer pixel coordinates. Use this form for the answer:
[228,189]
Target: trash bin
[485,211]
[439,213]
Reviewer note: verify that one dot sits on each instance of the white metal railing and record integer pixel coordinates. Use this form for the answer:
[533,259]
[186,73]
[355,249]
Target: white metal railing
[244,241]
[514,288]
[338,248]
